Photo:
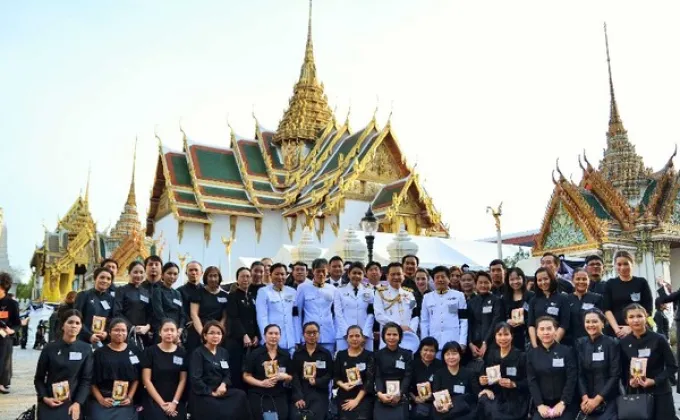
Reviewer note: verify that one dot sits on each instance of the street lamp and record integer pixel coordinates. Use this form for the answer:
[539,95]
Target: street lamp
[369,224]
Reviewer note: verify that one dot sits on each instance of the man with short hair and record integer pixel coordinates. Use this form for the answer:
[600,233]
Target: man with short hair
[299,274]
[595,268]
[335,271]
[374,275]
[410,263]
[552,262]
[395,304]
[497,271]
[112,265]
[194,272]
[153,265]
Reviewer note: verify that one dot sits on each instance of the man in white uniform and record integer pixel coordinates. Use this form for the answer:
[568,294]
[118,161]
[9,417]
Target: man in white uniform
[396,304]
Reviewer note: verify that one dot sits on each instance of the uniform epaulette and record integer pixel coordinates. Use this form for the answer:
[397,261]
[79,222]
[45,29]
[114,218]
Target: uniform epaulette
[381,288]
[408,289]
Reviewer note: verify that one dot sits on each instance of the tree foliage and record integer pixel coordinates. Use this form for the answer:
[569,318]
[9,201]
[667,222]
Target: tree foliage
[519,256]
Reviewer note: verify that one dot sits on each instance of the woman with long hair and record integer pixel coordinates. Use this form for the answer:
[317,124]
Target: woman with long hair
[133,304]
[212,394]
[244,334]
[209,303]
[164,375]
[460,384]
[312,375]
[456,274]
[516,300]
[392,375]
[548,302]
[64,372]
[425,365]
[166,302]
[354,370]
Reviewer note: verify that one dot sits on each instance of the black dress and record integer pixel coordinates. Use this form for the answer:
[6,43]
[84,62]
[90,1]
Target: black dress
[241,320]
[211,307]
[208,371]
[422,373]
[520,336]
[393,365]
[365,363]
[508,403]
[552,374]
[134,305]
[273,399]
[463,388]
[166,303]
[618,294]
[315,396]
[60,361]
[599,367]
[577,307]
[555,306]
[165,375]
[109,366]
[93,303]
[9,317]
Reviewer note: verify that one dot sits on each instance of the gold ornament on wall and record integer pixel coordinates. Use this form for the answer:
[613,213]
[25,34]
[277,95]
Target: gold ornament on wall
[258,228]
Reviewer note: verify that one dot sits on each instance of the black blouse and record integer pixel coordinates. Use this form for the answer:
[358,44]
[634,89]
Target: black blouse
[555,306]
[463,388]
[619,294]
[599,367]
[484,312]
[254,365]
[165,369]
[577,308]
[519,333]
[366,365]
[513,367]
[209,370]
[9,313]
[393,366]
[133,304]
[661,364]
[188,291]
[422,373]
[166,303]
[60,361]
[552,374]
[111,365]
[211,307]
[92,303]
[324,372]
[241,315]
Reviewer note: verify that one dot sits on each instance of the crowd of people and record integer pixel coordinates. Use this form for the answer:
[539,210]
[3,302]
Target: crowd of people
[347,341]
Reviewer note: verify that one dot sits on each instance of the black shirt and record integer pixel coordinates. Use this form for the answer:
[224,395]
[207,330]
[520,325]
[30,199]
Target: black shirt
[323,360]
[661,364]
[674,297]
[564,286]
[111,365]
[463,388]
[598,286]
[254,288]
[209,370]
[167,303]
[241,315]
[484,312]
[519,333]
[618,294]
[513,367]
[423,373]
[211,307]
[393,366]
[254,365]
[133,304]
[9,313]
[92,303]
[366,365]
[60,361]
[599,367]
[552,374]
[188,291]
[165,369]
[577,307]
[555,306]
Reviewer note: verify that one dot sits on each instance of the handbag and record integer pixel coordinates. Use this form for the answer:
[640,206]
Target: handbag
[269,415]
[29,414]
[638,406]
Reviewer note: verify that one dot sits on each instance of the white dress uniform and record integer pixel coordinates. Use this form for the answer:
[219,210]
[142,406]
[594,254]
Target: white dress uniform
[439,317]
[397,305]
[276,307]
[353,309]
[315,303]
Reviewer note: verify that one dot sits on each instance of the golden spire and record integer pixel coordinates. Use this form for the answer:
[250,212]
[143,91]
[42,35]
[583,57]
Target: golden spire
[87,187]
[308,110]
[131,198]
[615,123]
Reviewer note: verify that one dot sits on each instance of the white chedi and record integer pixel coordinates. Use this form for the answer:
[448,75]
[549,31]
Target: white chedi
[307,250]
[402,244]
[351,247]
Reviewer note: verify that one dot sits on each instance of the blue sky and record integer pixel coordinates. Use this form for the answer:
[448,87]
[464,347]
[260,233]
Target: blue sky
[485,95]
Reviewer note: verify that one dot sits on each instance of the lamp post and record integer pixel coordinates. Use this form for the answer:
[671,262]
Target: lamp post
[369,224]
[496,214]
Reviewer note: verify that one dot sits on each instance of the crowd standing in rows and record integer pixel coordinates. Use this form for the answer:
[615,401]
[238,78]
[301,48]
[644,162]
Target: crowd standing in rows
[352,342]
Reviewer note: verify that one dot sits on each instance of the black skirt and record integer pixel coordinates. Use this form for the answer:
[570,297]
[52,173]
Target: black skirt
[153,411]
[364,411]
[44,412]
[498,409]
[233,406]
[316,407]
[391,412]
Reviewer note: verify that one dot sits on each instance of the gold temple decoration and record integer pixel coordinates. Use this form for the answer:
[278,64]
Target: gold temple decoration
[292,226]
[180,231]
[258,228]
[183,262]
[232,225]
[207,228]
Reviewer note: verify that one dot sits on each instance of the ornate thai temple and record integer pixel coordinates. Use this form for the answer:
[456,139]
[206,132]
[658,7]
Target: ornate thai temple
[69,254]
[254,195]
[621,204]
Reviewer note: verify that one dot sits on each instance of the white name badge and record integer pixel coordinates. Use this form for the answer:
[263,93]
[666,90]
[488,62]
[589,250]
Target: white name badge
[320,364]
[144,299]
[177,360]
[113,294]
[282,370]
[558,362]
[635,297]
[553,310]
[511,371]
[361,366]
[75,355]
[105,305]
[177,302]
[134,360]
[526,306]
[587,306]
[222,300]
[400,364]
[459,389]
[224,364]
[644,352]
[598,357]
[487,309]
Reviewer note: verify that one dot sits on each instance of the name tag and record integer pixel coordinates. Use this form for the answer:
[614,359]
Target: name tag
[453,308]
[511,371]
[635,297]
[553,310]
[75,355]
[526,306]
[177,302]
[459,389]
[320,364]
[644,352]
[177,360]
[558,362]
[487,309]
[144,299]
[400,364]
[113,294]
[282,370]
[598,357]
[222,300]
[224,364]
[587,306]
[361,366]
[412,304]
[105,305]
[134,360]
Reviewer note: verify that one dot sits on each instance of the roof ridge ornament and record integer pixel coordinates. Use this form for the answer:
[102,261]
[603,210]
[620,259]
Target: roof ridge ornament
[615,123]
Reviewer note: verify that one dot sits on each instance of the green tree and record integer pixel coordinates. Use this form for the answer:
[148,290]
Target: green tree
[519,256]
[24,290]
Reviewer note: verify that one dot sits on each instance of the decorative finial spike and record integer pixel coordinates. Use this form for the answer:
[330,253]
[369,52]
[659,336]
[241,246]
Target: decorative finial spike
[615,123]
[557,167]
[131,198]
[87,187]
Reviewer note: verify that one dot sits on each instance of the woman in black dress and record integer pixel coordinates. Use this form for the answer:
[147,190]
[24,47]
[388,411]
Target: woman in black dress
[116,377]
[580,301]
[516,300]
[166,302]
[209,303]
[164,374]
[424,367]
[243,332]
[548,302]
[507,398]
[650,349]
[599,368]
[312,374]
[552,373]
[64,366]
[266,370]
[212,396]
[133,303]
[355,393]
[392,375]
[459,382]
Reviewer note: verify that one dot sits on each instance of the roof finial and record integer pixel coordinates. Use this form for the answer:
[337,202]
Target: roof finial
[87,187]
[308,67]
[615,123]
[389,117]
[377,105]
[131,198]
[557,167]
[232,134]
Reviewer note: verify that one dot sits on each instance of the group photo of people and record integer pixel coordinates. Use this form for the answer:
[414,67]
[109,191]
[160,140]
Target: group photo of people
[343,340]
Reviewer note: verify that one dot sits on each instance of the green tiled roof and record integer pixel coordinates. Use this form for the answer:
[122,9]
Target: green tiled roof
[267,137]
[180,169]
[384,197]
[595,204]
[270,200]
[371,138]
[185,197]
[253,158]
[232,208]
[648,193]
[196,214]
[220,166]
[224,192]
[263,186]
[345,147]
